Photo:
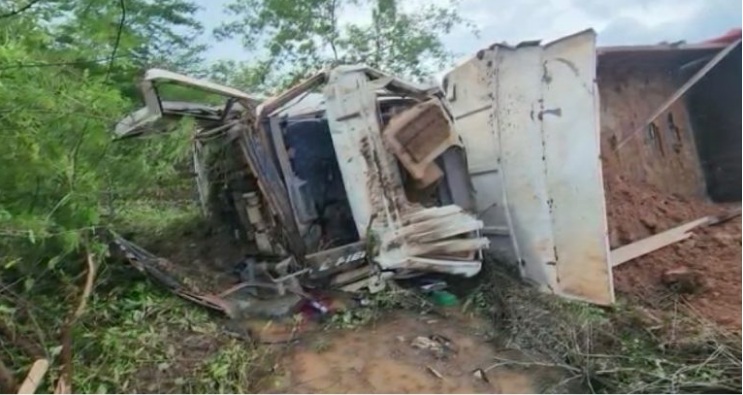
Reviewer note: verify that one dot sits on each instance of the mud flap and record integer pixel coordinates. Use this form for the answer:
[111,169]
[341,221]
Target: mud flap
[533,139]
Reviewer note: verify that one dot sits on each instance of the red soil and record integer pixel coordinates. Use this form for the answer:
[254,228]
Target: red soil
[636,211]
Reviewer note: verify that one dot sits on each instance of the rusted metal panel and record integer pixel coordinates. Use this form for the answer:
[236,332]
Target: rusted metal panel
[202,181]
[374,190]
[257,154]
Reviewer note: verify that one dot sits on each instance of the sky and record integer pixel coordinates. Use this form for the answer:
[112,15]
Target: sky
[617,22]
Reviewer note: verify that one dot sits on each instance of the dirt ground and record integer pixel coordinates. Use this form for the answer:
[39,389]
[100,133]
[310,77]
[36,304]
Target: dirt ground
[383,358]
[712,255]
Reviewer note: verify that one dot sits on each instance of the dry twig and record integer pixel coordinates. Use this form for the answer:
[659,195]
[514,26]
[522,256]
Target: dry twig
[64,384]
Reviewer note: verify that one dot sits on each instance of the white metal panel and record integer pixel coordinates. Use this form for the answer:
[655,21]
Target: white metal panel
[517,87]
[574,178]
[470,101]
[542,161]
[408,236]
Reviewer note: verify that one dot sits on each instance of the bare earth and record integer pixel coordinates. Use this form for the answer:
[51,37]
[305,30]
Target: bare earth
[380,359]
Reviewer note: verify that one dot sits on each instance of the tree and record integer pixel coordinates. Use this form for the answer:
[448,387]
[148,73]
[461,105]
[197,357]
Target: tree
[140,34]
[297,36]
[61,91]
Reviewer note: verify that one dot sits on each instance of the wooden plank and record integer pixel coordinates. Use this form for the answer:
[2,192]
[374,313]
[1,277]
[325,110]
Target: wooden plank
[647,245]
[34,377]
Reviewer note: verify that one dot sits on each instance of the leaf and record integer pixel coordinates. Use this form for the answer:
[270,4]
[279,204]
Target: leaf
[55,351]
[11,263]
[7,310]
[28,283]
[54,261]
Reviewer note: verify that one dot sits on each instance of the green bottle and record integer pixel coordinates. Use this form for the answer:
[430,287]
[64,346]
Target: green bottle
[443,298]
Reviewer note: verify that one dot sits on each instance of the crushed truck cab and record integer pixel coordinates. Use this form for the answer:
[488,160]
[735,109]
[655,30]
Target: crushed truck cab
[346,184]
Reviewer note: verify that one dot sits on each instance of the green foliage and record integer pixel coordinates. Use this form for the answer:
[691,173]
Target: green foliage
[300,36]
[62,175]
[137,338]
[59,161]
[68,73]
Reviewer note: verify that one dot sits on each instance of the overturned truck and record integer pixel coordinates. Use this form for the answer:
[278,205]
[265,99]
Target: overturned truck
[367,182]
[354,177]
[375,178]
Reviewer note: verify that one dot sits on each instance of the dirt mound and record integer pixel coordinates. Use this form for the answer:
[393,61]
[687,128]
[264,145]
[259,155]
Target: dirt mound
[713,253]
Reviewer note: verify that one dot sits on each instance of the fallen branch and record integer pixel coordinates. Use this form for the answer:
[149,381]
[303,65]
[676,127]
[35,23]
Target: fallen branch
[19,10]
[34,377]
[64,384]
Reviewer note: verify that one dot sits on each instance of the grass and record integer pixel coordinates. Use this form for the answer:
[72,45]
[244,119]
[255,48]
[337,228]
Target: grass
[616,350]
[151,218]
[137,338]
[134,336]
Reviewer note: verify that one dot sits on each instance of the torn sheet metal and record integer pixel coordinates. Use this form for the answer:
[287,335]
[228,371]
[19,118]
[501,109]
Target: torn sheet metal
[157,268]
[541,165]
[404,235]
[257,151]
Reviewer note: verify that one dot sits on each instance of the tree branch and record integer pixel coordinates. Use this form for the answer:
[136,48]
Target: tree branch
[18,11]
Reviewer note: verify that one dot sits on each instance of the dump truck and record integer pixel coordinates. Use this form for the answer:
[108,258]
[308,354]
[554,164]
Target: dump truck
[353,177]
[381,178]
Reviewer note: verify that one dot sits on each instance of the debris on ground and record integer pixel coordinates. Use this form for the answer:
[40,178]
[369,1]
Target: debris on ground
[435,372]
[370,360]
[437,345]
[34,377]
[684,280]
